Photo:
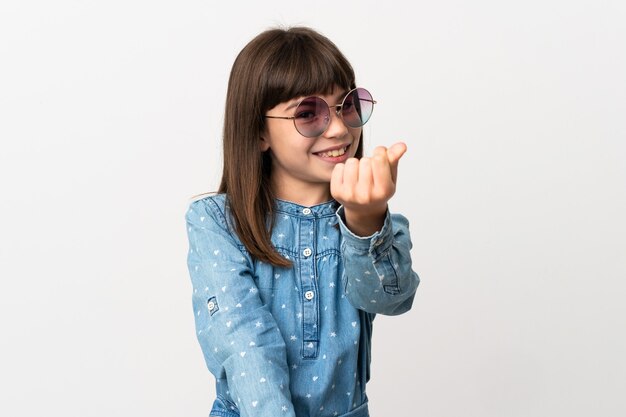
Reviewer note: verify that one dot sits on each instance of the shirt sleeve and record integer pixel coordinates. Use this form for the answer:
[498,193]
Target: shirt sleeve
[378,270]
[237,333]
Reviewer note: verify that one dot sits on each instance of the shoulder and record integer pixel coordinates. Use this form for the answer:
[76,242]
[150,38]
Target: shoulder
[209,206]
[209,225]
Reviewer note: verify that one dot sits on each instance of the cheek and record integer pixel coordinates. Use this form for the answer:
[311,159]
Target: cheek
[278,135]
[289,149]
[356,134]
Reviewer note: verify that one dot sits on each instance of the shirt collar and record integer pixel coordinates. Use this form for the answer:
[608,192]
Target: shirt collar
[328,208]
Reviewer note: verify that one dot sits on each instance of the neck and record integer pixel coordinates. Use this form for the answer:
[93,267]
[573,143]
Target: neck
[309,196]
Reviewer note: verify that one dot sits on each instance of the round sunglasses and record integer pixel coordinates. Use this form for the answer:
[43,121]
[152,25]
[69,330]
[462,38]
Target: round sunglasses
[312,115]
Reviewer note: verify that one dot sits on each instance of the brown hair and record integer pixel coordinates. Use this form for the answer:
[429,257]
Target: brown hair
[276,66]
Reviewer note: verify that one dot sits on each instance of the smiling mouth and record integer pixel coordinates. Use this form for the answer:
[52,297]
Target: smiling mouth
[334,153]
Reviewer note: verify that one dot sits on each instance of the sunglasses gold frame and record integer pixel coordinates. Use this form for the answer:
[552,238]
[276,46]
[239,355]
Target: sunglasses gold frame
[338,108]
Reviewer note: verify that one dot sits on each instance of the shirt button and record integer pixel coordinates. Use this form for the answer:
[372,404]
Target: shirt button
[309,295]
[306,211]
[307,252]
[211,305]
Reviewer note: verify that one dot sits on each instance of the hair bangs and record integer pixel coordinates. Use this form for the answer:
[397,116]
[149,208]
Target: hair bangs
[304,66]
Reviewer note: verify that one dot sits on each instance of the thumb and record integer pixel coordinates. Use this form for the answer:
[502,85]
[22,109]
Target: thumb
[394,153]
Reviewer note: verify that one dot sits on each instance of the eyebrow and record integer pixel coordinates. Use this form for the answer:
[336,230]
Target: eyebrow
[296,102]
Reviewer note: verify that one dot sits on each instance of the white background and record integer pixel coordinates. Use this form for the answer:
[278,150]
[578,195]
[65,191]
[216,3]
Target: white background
[514,182]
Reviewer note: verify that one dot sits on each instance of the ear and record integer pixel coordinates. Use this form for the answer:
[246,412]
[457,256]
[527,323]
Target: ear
[263,144]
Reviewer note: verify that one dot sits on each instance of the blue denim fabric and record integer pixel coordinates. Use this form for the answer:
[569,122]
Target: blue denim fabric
[294,341]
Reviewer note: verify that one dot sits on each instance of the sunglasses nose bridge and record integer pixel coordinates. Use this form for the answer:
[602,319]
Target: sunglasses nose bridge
[337,110]
[335,125]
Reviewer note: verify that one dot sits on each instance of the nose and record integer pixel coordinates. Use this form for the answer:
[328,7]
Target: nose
[336,127]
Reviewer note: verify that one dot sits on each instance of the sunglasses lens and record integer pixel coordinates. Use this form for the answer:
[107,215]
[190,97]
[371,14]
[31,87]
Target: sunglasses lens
[312,117]
[357,107]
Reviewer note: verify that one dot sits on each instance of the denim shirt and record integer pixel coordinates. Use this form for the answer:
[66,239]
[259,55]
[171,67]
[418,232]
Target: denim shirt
[294,342]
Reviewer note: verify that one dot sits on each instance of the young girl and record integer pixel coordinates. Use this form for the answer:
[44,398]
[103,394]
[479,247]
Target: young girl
[297,252]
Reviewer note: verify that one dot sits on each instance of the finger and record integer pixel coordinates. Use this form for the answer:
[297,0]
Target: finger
[351,173]
[381,170]
[364,185]
[394,153]
[336,180]
[379,152]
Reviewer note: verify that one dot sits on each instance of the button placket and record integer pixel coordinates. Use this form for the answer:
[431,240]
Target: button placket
[310,304]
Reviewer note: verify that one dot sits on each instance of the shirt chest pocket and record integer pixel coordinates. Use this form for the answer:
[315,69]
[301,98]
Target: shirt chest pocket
[271,278]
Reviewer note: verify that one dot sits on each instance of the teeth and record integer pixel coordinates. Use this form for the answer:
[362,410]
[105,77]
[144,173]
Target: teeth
[334,153]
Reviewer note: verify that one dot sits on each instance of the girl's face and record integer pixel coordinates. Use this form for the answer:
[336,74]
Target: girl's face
[301,166]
